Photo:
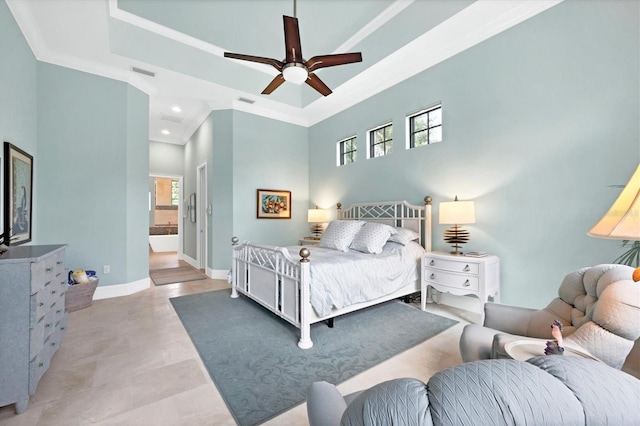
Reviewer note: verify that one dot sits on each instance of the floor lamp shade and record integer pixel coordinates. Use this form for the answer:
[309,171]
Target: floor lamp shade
[622,221]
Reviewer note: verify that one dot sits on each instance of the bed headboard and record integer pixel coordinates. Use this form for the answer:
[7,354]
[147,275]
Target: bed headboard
[394,213]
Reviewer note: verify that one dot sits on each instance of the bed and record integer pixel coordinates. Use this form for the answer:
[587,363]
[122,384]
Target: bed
[289,285]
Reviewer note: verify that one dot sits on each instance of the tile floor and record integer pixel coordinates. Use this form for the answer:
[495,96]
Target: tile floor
[129,361]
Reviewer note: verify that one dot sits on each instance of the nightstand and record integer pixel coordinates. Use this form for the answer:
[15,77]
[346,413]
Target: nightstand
[308,241]
[461,275]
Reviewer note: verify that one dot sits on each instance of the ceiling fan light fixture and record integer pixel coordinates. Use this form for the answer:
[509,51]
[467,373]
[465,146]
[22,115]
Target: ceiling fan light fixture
[295,73]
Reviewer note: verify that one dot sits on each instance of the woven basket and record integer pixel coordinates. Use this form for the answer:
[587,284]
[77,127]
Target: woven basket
[80,296]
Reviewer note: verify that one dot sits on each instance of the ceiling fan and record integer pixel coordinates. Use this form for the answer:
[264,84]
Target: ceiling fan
[294,68]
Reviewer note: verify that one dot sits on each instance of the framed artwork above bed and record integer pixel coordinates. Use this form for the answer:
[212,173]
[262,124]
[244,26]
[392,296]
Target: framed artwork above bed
[273,204]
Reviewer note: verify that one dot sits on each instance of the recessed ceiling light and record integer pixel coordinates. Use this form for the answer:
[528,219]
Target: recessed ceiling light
[176,108]
[165,132]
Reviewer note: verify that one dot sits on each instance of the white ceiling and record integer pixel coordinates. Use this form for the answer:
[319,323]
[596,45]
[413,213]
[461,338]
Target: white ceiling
[183,41]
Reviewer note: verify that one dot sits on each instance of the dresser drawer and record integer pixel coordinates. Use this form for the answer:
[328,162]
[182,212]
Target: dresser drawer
[59,264]
[37,368]
[37,276]
[36,338]
[452,266]
[464,282]
[39,306]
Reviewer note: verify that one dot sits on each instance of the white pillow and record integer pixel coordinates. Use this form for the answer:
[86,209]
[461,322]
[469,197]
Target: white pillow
[372,237]
[403,236]
[339,234]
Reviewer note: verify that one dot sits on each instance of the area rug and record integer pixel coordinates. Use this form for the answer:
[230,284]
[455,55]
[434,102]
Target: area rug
[180,274]
[253,358]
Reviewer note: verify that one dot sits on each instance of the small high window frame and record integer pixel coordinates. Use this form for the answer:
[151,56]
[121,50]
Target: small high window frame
[380,141]
[347,151]
[424,127]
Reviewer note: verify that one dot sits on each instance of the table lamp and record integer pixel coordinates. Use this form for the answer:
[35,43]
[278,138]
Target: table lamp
[622,221]
[457,213]
[317,217]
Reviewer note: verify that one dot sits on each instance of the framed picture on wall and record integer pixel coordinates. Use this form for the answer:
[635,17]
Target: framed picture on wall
[18,194]
[273,204]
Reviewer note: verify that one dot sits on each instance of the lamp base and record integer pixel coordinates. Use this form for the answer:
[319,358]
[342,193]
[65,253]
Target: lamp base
[456,236]
[316,230]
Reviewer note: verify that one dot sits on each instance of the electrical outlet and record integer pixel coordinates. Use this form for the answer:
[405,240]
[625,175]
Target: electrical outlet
[106,269]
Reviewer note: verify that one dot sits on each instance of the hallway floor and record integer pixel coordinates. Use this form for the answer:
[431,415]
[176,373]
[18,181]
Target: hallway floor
[129,361]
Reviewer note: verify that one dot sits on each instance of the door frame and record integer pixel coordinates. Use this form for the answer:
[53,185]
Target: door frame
[201,216]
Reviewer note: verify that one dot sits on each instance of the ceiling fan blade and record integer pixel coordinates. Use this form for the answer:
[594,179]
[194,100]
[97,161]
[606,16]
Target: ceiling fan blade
[292,45]
[269,61]
[317,84]
[275,83]
[325,61]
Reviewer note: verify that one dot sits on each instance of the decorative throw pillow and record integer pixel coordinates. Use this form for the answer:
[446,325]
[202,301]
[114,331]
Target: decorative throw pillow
[339,234]
[372,237]
[403,236]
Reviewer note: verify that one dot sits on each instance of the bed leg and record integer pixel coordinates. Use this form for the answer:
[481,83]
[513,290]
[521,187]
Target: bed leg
[330,322]
[305,337]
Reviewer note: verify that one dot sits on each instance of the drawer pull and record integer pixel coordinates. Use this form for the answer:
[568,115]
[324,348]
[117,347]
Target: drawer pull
[53,343]
[41,364]
[432,262]
[466,268]
[49,269]
[433,276]
[41,304]
[466,283]
[59,262]
[47,325]
[63,328]
[58,311]
[53,292]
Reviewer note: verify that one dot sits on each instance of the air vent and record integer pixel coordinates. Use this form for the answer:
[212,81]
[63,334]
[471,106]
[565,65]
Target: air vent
[171,118]
[142,71]
[249,101]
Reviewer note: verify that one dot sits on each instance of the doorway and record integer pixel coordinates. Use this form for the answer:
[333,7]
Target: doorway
[165,213]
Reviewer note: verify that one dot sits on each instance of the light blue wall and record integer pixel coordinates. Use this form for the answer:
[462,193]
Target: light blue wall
[197,151]
[245,152]
[166,159]
[18,97]
[538,121]
[269,154]
[93,166]
[221,190]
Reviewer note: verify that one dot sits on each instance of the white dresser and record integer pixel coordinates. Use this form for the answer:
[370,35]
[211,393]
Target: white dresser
[461,275]
[33,283]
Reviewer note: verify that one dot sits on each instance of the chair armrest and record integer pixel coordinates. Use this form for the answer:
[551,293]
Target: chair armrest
[509,319]
[325,404]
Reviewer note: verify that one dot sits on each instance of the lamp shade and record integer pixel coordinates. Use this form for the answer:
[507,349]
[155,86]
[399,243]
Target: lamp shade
[317,216]
[622,221]
[457,212]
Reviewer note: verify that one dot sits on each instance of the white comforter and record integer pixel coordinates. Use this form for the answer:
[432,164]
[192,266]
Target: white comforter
[341,279]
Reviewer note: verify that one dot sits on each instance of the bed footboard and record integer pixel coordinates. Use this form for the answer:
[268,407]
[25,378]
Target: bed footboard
[271,277]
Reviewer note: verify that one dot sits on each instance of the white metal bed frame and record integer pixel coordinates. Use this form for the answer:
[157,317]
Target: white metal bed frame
[273,278]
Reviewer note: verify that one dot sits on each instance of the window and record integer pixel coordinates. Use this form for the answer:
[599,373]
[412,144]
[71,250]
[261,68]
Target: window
[347,151]
[381,141]
[425,127]
[175,192]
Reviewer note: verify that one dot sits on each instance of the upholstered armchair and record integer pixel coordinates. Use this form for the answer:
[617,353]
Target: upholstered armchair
[599,308]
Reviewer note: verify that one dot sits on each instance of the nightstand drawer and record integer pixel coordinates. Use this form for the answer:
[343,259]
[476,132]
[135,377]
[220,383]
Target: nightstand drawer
[464,282]
[453,266]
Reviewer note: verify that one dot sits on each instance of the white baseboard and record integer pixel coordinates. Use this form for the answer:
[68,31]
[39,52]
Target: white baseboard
[217,274]
[190,260]
[117,290]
